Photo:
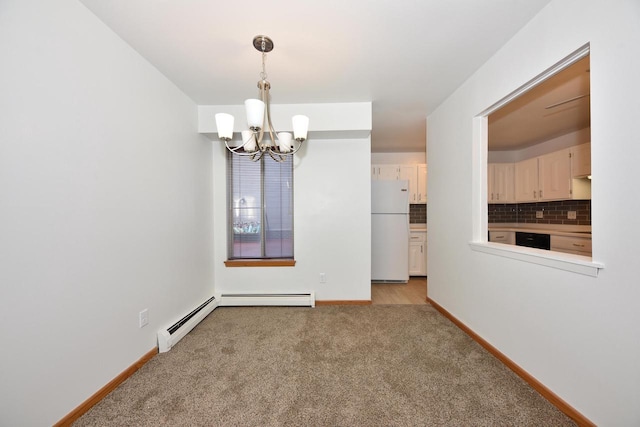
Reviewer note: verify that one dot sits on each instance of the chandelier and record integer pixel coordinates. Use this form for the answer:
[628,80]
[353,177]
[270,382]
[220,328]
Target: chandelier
[253,143]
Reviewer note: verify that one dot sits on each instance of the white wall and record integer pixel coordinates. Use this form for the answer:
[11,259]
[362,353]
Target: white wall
[576,334]
[332,220]
[105,208]
[398,158]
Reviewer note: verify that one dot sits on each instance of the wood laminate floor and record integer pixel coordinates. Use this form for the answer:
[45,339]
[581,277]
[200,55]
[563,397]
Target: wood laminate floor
[414,292]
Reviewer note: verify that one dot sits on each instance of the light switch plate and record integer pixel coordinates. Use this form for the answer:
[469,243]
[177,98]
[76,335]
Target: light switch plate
[143,318]
[571,214]
[539,214]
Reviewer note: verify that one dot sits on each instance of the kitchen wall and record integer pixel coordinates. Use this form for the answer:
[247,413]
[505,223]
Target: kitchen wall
[573,333]
[553,212]
[106,208]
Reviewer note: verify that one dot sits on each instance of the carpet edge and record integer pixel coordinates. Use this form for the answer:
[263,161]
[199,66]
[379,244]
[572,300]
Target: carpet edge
[81,409]
[544,391]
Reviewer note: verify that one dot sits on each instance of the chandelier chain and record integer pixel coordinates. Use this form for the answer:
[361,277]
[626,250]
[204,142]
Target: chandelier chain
[263,74]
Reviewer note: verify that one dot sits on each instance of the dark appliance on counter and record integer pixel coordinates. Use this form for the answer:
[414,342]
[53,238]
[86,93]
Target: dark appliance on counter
[533,240]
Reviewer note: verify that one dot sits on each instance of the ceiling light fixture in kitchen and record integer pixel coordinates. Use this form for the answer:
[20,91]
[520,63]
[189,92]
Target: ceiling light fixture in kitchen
[253,143]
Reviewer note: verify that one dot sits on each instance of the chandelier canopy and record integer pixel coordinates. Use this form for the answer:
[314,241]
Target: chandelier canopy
[258,111]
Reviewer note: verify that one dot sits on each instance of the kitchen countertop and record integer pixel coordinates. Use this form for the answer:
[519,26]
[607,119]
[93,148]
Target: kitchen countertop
[418,227]
[554,229]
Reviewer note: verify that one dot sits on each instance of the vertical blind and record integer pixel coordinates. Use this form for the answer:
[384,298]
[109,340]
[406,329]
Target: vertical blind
[260,207]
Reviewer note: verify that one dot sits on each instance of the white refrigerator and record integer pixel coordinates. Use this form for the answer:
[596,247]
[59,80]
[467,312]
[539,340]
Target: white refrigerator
[390,231]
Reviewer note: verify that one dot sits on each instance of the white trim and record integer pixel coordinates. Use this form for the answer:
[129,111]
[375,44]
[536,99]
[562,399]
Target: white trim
[567,262]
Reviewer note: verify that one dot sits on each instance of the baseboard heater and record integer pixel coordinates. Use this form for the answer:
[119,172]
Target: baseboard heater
[168,337]
[303,299]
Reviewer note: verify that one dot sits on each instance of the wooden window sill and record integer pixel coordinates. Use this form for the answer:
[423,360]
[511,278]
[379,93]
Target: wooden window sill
[260,263]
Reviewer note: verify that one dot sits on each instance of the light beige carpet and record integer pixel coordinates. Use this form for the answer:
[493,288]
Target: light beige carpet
[394,365]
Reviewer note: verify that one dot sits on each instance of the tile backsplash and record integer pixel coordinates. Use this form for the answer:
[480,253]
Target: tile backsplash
[552,212]
[417,214]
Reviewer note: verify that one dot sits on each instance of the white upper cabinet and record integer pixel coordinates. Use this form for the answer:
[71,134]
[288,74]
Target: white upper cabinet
[550,177]
[422,183]
[385,172]
[416,174]
[581,160]
[410,173]
[526,173]
[555,175]
[501,183]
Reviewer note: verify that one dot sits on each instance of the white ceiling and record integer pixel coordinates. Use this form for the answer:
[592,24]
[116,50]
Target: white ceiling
[405,56]
[555,107]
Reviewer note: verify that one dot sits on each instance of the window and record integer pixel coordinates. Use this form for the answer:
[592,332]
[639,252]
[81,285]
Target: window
[260,208]
[539,164]
[483,173]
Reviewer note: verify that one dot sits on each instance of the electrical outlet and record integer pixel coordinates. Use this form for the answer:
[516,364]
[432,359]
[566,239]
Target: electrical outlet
[539,214]
[323,278]
[143,318]
[571,214]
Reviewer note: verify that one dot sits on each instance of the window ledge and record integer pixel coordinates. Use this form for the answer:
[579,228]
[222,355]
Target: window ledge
[568,262]
[260,263]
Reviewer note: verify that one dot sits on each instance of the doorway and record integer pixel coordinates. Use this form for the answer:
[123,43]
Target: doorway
[413,292]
